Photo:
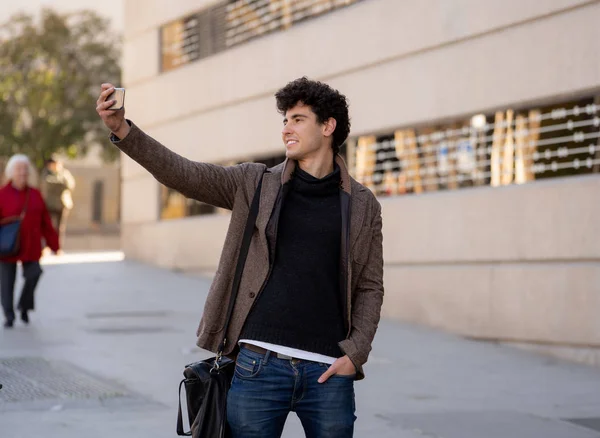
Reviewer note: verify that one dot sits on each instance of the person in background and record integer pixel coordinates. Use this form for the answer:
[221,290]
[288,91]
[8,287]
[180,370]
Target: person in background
[57,184]
[15,197]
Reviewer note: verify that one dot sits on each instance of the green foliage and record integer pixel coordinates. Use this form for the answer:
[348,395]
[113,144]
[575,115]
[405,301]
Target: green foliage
[51,69]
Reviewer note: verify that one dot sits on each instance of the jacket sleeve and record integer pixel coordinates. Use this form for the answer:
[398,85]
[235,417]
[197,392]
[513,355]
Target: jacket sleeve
[367,300]
[49,234]
[208,183]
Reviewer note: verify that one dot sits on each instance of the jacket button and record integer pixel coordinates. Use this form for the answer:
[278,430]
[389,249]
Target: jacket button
[252,294]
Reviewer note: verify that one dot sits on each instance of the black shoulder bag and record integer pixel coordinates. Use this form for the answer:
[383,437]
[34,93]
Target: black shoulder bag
[207,382]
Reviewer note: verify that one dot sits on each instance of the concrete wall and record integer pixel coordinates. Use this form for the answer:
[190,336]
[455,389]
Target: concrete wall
[80,218]
[515,262]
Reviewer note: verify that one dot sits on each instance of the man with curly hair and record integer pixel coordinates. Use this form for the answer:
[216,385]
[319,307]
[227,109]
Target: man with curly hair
[310,296]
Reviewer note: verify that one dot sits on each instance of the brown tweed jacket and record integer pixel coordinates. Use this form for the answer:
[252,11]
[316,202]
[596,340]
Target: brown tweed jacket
[233,188]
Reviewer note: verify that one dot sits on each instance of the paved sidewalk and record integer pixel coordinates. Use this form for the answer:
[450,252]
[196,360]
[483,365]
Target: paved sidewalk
[116,334]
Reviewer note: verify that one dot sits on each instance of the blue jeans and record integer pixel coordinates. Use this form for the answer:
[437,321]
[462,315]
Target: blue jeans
[265,389]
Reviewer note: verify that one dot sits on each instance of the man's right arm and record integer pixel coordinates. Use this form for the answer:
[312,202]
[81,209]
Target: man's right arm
[215,185]
[212,184]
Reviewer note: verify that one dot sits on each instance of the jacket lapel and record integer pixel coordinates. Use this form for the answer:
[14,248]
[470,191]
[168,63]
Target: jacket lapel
[269,191]
[357,213]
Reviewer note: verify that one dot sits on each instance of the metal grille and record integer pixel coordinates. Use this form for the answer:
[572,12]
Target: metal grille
[511,146]
[32,378]
[230,23]
[17,388]
[247,19]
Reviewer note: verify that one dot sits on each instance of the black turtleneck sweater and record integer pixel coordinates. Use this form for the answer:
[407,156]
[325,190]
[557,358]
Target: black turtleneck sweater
[300,305]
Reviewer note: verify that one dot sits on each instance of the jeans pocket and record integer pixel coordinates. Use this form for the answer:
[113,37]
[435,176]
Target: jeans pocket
[345,376]
[325,366]
[247,367]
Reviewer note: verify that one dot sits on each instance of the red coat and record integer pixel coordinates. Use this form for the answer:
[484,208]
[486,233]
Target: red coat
[36,223]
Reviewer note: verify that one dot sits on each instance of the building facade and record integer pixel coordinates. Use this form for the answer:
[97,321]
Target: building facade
[476,123]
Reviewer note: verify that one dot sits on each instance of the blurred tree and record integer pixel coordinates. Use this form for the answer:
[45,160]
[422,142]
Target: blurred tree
[51,68]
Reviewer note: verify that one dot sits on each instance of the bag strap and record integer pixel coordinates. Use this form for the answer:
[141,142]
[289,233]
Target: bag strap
[25,206]
[180,431]
[248,231]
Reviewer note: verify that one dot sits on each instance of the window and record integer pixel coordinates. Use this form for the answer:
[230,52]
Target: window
[508,147]
[180,41]
[233,22]
[247,19]
[97,198]
[174,205]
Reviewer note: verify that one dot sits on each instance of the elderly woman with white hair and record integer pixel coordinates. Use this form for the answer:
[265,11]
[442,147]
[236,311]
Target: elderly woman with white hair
[19,199]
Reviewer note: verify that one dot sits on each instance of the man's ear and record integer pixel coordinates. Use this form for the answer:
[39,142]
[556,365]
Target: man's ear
[329,127]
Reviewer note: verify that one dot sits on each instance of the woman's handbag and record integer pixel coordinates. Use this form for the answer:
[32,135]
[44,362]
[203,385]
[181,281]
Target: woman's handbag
[207,382]
[10,232]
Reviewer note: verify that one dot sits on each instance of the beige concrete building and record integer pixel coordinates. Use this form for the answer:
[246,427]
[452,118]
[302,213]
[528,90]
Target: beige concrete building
[96,200]
[476,123]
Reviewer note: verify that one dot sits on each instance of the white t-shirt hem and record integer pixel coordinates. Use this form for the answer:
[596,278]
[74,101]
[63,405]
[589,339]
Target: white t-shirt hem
[292,352]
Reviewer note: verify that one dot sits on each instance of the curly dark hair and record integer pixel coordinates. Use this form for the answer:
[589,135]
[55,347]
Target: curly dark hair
[324,101]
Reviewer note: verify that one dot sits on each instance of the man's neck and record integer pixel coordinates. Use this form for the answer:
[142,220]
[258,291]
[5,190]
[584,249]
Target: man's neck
[319,168]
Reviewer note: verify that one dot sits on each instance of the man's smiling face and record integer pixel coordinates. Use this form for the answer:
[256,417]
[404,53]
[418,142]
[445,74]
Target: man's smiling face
[302,135]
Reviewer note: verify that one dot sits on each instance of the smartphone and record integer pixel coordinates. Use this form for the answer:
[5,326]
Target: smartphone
[119,96]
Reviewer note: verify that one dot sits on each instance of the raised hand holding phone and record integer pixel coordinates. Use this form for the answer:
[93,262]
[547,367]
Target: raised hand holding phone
[114,119]
[119,97]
